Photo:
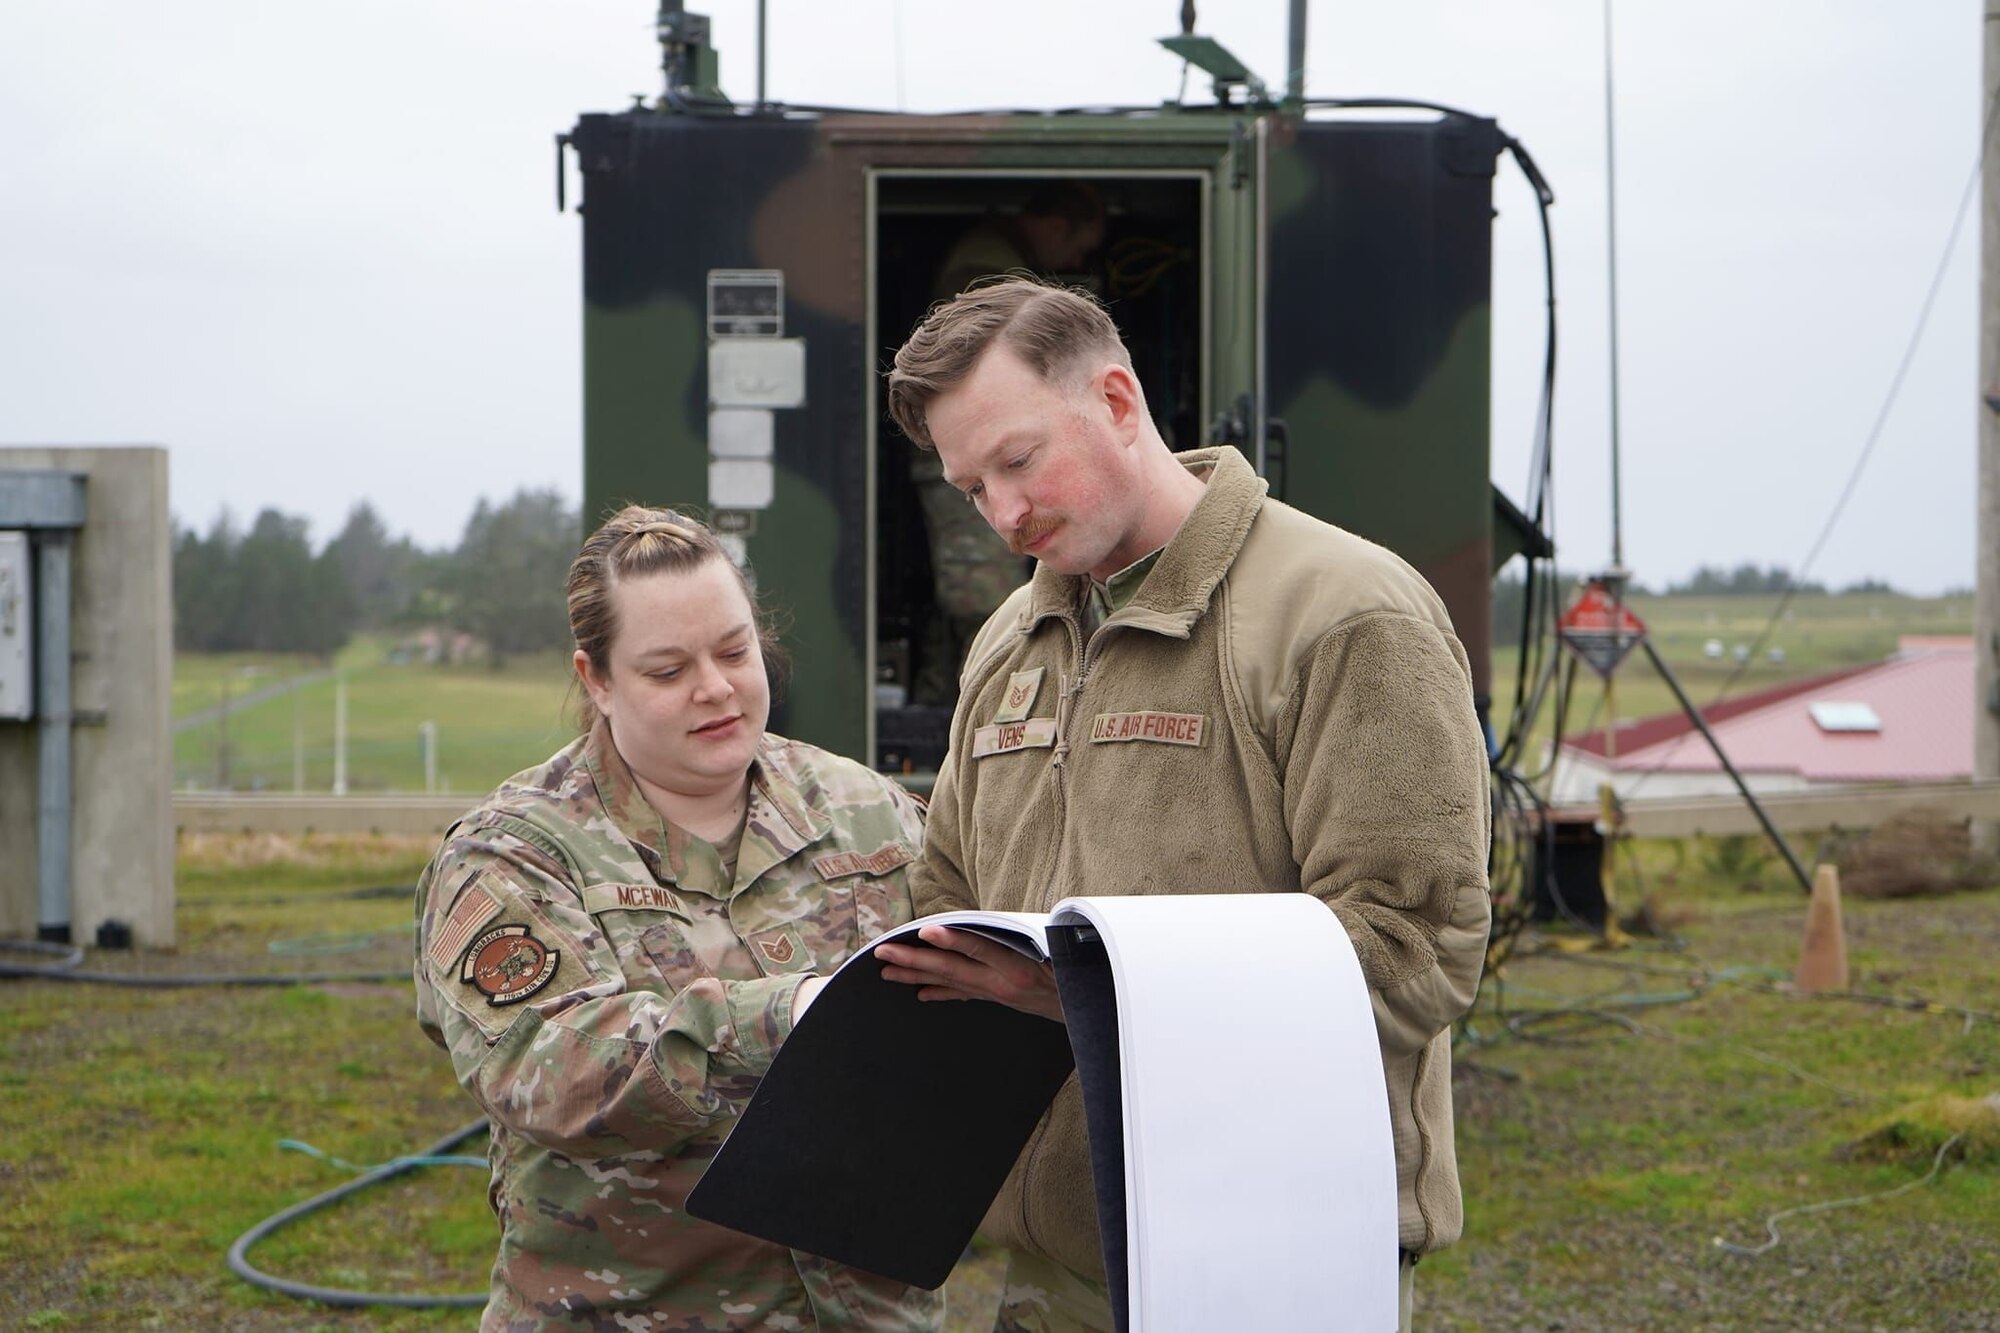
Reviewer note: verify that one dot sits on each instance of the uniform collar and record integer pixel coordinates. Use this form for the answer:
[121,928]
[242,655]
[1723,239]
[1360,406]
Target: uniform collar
[784,816]
[781,820]
[1177,589]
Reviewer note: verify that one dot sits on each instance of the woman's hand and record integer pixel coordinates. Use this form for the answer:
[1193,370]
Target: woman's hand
[803,997]
[962,965]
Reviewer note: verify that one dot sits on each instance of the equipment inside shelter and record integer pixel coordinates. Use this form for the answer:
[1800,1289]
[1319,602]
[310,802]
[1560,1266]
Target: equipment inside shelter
[1146,269]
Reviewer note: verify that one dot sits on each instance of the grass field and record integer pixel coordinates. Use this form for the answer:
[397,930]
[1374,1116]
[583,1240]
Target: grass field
[1616,1112]
[493,723]
[125,1178]
[490,723]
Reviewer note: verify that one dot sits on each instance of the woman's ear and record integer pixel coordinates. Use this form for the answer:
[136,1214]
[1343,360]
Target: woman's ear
[594,685]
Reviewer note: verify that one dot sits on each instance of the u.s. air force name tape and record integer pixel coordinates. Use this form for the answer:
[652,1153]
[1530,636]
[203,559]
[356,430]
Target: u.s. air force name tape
[1167,728]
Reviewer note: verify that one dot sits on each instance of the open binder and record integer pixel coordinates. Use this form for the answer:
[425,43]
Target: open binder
[1239,1123]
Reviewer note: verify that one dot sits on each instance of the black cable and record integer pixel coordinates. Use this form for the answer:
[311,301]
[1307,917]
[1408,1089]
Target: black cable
[70,969]
[239,1262]
[275,900]
[1514,792]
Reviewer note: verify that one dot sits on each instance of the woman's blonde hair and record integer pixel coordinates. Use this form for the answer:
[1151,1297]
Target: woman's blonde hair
[632,543]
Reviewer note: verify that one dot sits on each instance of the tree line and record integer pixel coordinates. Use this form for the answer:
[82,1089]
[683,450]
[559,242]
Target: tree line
[1745,580]
[265,589]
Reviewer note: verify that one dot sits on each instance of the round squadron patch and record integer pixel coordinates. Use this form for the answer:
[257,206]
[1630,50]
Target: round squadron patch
[507,965]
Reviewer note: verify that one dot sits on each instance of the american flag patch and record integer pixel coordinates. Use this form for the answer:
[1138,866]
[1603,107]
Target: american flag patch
[474,908]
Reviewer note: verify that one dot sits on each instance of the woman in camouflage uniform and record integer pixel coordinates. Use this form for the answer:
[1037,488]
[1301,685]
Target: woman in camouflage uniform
[613,945]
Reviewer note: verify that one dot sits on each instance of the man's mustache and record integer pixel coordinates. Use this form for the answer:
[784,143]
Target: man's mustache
[1036,527]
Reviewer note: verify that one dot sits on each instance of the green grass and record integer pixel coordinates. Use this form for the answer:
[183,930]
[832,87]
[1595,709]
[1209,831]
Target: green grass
[1620,1110]
[1617,1111]
[141,1127]
[490,723]
[126,1177]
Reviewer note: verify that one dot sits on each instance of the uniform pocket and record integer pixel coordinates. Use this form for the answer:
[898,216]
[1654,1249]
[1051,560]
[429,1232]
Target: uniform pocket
[649,930]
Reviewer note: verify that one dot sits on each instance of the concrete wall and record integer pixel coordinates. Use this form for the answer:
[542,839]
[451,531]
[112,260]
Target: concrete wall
[121,835]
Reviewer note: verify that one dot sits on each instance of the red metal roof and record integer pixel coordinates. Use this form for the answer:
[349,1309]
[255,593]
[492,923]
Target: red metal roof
[1923,698]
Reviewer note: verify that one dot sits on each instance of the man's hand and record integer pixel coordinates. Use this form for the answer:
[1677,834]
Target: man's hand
[967,966]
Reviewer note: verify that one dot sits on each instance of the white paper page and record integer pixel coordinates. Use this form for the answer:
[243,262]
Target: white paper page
[1260,1171]
[1026,933]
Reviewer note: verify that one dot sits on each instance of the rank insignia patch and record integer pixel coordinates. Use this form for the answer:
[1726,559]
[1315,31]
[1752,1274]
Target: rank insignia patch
[782,949]
[1022,687]
[508,965]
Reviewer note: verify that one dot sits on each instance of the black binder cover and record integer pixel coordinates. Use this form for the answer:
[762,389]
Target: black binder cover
[885,1126]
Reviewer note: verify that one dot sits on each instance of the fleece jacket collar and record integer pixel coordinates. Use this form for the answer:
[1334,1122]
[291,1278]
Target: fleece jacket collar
[1177,591]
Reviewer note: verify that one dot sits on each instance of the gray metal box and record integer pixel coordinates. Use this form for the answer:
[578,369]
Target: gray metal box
[17,628]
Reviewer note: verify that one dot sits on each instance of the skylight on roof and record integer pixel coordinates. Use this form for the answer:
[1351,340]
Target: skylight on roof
[1832,715]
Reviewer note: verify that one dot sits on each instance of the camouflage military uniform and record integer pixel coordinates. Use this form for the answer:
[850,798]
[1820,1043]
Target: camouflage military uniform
[610,997]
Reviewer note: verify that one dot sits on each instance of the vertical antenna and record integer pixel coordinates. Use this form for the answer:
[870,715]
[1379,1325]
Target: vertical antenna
[898,15]
[760,52]
[1986,547]
[1611,237]
[1295,63]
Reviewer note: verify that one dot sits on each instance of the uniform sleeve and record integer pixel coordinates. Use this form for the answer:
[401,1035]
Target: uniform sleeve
[1385,794]
[911,813]
[550,1037]
[938,882]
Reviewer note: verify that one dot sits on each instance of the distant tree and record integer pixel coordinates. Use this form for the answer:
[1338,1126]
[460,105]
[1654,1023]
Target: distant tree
[289,601]
[1746,580]
[1868,585]
[1510,589]
[260,591]
[204,585]
[384,578]
[506,579]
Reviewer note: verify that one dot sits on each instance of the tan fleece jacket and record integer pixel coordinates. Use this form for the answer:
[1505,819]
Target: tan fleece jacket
[1282,706]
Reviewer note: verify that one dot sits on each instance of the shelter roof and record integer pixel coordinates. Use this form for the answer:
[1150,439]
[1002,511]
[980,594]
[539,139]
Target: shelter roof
[1922,698]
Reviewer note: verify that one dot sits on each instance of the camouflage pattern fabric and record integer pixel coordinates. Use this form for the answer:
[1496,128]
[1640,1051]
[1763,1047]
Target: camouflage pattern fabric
[1041,1296]
[611,1002]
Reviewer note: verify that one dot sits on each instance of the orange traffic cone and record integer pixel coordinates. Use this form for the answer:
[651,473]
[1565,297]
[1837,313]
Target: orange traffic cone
[1823,959]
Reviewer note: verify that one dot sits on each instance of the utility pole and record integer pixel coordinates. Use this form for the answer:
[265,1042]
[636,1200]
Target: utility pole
[427,733]
[298,742]
[222,738]
[339,735]
[1986,612]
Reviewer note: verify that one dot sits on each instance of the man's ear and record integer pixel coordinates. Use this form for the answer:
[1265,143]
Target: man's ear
[1118,388]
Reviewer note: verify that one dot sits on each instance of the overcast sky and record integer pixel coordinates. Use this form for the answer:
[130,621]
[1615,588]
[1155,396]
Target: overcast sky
[314,250]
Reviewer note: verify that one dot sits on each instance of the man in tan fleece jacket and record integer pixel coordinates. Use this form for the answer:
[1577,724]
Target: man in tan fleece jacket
[1201,690]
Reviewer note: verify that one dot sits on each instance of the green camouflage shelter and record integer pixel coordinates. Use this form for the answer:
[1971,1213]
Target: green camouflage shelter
[1310,288]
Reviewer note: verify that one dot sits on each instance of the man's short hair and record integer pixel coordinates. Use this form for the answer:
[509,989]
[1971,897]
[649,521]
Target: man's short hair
[1053,329]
